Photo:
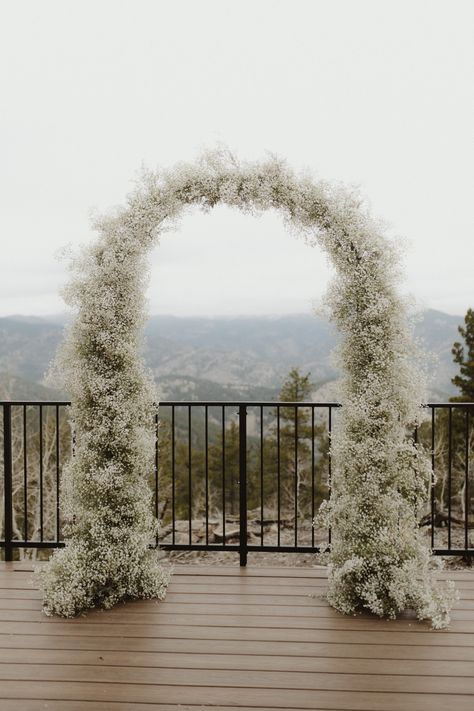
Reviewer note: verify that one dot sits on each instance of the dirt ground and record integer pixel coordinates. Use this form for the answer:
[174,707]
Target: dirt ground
[310,560]
[275,560]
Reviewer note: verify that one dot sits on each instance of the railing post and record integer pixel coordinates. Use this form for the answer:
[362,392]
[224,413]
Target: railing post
[243,484]
[7,480]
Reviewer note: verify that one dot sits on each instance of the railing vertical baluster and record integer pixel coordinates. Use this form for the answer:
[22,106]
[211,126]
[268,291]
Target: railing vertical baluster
[433,475]
[296,492]
[206,445]
[278,476]
[329,461]
[450,456]
[223,475]
[190,508]
[312,476]
[261,475]
[25,477]
[455,462]
[243,484]
[41,472]
[466,485]
[173,477]
[155,472]
[8,483]
[57,474]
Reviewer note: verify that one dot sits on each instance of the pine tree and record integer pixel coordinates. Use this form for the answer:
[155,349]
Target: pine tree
[455,429]
[463,355]
[295,441]
[296,387]
[224,471]
[292,444]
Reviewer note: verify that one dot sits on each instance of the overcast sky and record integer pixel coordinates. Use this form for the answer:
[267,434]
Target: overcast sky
[377,93]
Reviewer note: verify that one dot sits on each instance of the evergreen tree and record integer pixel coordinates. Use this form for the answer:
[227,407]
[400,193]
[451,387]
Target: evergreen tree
[462,422]
[463,355]
[453,427]
[293,444]
[296,387]
[295,440]
[224,471]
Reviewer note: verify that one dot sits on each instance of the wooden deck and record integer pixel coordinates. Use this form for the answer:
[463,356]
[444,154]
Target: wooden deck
[229,638]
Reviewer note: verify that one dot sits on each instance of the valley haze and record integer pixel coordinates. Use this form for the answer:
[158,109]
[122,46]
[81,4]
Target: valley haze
[219,358]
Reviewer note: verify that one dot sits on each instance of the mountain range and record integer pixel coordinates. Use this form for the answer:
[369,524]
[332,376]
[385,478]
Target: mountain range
[221,358]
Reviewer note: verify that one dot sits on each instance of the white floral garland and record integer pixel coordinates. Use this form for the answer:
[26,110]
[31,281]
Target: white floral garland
[378,560]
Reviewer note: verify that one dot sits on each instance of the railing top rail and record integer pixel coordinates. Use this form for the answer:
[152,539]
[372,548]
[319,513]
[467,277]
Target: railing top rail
[35,402]
[197,403]
[248,403]
[231,403]
[448,404]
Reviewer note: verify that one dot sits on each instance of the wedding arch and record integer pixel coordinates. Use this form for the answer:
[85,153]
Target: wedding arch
[378,560]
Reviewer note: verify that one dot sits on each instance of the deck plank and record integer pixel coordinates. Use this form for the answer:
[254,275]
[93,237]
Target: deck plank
[235,697]
[240,661]
[315,607]
[231,638]
[236,678]
[331,620]
[229,646]
[370,635]
[53,705]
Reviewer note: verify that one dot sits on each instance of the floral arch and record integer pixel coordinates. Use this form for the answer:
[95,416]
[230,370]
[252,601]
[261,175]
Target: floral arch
[378,560]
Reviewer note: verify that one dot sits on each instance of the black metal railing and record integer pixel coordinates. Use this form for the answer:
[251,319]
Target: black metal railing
[243,476]
[229,476]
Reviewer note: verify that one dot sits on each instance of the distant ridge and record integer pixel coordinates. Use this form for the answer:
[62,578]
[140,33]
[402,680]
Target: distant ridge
[12,387]
[241,357]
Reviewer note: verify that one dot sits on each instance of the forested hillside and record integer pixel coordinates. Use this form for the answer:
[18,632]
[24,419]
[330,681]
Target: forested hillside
[218,358]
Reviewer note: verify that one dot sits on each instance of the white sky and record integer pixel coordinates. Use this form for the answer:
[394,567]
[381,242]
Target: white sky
[373,92]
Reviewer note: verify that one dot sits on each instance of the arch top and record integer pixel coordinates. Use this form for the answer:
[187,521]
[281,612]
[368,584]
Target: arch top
[330,216]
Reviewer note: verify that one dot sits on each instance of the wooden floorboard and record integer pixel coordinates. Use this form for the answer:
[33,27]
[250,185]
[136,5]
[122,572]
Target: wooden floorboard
[231,639]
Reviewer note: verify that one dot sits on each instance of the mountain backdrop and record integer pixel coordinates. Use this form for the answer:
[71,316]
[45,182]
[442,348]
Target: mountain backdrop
[217,358]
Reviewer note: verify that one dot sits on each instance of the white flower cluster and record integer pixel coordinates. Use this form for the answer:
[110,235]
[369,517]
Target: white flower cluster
[378,560]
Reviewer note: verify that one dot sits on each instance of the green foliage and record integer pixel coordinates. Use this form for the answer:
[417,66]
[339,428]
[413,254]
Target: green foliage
[296,387]
[303,469]
[463,356]
[290,438]
[453,439]
[301,464]
[456,429]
